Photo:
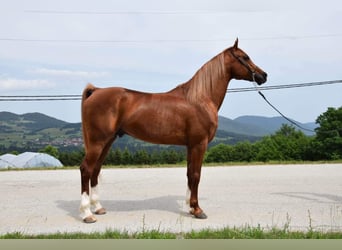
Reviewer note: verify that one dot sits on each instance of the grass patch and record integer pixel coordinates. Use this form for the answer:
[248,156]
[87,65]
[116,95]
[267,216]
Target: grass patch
[108,234]
[225,233]
[260,233]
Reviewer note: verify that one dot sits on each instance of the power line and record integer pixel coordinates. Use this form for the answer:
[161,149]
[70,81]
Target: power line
[284,86]
[25,98]
[151,12]
[38,99]
[128,41]
[38,96]
[10,39]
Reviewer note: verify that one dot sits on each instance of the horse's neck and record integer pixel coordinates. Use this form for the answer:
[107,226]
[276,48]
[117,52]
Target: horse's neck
[220,90]
[215,93]
[209,82]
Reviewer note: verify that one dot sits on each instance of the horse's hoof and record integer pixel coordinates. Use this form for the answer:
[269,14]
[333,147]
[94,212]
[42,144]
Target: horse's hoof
[201,216]
[198,215]
[89,219]
[100,211]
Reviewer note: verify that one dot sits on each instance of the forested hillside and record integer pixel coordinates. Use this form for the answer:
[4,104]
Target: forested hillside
[37,132]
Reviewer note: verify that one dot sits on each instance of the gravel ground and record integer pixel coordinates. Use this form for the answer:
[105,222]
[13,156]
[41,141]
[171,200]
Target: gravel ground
[301,196]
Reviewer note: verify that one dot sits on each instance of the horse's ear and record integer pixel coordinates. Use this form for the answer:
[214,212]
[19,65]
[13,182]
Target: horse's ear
[236,43]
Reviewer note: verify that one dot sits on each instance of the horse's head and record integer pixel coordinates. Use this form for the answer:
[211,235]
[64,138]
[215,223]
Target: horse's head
[242,67]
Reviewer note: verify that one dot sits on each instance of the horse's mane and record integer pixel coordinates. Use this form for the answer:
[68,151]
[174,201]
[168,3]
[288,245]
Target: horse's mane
[203,82]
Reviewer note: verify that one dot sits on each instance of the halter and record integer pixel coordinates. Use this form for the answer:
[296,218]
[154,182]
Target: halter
[248,67]
[245,64]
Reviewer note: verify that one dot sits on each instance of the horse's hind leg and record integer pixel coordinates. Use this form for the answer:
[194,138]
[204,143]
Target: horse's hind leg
[94,194]
[90,170]
[87,169]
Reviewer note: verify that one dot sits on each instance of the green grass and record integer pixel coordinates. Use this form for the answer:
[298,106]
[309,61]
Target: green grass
[260,233]
[225,233]
[108,234]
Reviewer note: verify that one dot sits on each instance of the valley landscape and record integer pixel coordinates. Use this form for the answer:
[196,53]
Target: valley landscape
[34,131]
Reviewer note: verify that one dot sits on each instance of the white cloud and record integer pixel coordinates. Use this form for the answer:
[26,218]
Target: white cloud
[69,73]
[19,84]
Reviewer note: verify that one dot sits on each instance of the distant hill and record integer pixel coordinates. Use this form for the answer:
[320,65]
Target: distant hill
[240,127]
[30,121]
[268,125]
[34,131]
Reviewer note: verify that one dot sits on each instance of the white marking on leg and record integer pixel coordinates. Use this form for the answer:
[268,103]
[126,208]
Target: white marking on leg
[85,206]
[94,198]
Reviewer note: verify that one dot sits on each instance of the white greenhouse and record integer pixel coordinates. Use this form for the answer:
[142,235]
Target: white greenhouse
[29,160]
[5,161]
[5,164]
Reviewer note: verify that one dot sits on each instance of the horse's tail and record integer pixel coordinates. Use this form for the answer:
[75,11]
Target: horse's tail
[87,92]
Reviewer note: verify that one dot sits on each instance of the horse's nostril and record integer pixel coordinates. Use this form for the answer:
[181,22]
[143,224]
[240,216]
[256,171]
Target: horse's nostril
[264,75]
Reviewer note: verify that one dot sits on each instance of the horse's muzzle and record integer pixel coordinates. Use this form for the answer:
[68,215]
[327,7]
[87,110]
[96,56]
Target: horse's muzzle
[260,78]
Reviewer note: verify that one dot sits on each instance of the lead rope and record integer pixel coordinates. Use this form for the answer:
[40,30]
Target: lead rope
[285,117]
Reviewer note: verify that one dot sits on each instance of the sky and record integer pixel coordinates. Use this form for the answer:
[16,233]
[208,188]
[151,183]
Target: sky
[57,47]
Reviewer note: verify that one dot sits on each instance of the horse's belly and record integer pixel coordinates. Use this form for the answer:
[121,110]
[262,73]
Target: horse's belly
[158,132]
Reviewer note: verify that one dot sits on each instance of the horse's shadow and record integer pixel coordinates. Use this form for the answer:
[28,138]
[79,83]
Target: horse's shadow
[170,203]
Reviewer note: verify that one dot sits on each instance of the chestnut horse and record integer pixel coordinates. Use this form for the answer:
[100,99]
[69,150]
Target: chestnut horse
[186,115]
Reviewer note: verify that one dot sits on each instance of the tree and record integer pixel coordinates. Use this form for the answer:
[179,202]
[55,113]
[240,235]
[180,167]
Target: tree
[126,157]
[141,157]
[114,157]
[291,143]
[287,143]
[329,134]
[51,150]
[266,150]
[219,153]
[72,158]
[243,152]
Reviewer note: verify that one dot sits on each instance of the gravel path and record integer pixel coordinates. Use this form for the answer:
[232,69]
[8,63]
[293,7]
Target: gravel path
[302,196]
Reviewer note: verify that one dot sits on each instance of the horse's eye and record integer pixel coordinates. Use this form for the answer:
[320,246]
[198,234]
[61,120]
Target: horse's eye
[246,58]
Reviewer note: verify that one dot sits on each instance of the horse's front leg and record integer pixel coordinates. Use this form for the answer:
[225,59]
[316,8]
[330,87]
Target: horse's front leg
[195,158]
